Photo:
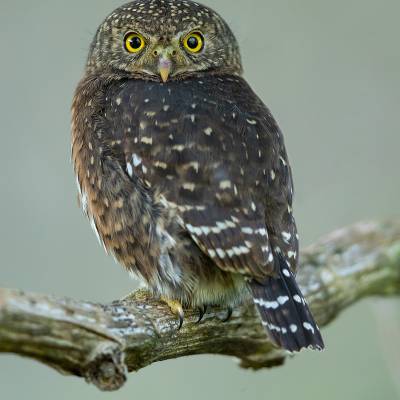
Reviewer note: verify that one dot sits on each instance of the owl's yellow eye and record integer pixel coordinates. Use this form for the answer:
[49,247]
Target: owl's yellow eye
[134,42]
[194,42]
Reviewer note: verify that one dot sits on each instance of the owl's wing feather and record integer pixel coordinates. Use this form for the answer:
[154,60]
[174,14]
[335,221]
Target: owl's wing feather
[234,241]
[210,149]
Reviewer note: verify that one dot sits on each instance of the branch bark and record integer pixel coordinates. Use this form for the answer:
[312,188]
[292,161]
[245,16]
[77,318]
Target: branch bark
[102,343]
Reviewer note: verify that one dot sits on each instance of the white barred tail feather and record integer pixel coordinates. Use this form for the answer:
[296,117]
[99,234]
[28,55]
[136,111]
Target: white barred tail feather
[285,313]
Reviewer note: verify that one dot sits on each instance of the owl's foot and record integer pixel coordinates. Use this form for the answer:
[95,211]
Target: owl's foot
[176,308]
[202,311]
[228,314]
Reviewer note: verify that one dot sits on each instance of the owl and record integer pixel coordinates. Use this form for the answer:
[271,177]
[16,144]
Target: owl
[182,170]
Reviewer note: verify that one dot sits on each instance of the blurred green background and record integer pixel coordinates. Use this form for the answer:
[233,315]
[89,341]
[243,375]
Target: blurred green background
[329,71]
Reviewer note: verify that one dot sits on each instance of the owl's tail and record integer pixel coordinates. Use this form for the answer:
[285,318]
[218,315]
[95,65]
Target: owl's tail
[285,313]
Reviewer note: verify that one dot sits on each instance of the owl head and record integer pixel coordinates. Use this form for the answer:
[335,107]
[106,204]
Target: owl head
[164,39]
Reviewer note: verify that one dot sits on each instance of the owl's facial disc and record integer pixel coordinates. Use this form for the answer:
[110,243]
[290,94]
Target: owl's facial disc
[164,40]
[163,56]
[192,43]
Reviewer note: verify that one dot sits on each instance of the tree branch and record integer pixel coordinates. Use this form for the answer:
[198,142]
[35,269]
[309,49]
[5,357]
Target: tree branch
[103,342]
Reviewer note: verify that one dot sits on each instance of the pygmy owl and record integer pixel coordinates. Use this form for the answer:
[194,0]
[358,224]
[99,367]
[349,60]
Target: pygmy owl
[182,170]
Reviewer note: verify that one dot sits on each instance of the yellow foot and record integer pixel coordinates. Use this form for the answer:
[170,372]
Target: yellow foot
[176,309]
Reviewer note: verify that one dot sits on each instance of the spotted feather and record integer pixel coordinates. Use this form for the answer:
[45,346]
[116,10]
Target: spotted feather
[210,169]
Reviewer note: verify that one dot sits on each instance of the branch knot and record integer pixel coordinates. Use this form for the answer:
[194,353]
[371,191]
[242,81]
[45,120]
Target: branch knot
[106,367]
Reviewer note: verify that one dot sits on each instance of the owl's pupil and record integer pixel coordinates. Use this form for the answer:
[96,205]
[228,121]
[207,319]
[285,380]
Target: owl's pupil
[192,42]
[136,42]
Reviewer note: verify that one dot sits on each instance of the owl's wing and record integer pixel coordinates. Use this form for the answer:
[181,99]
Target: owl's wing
[223,170]
[235,241]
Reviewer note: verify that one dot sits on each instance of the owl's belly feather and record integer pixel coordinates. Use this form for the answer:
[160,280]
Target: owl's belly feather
[217,289]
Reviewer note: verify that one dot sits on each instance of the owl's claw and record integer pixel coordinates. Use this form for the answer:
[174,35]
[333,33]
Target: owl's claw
[228,315]
[181,316]
[176,308]
[202,311]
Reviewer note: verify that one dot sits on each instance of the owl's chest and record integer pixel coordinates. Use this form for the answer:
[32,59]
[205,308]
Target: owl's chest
[189,137]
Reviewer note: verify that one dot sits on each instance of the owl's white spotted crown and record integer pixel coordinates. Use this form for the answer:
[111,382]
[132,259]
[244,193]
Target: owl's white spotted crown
[168,13]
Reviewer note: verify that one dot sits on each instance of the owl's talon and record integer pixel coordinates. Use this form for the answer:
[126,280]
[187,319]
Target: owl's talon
[202,311]
[176,308]
[181,317]
[228,315]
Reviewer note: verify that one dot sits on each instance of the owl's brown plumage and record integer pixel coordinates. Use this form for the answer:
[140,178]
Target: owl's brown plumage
[182,170]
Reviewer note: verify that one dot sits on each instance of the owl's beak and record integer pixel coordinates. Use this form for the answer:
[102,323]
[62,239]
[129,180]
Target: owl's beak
[164,67]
